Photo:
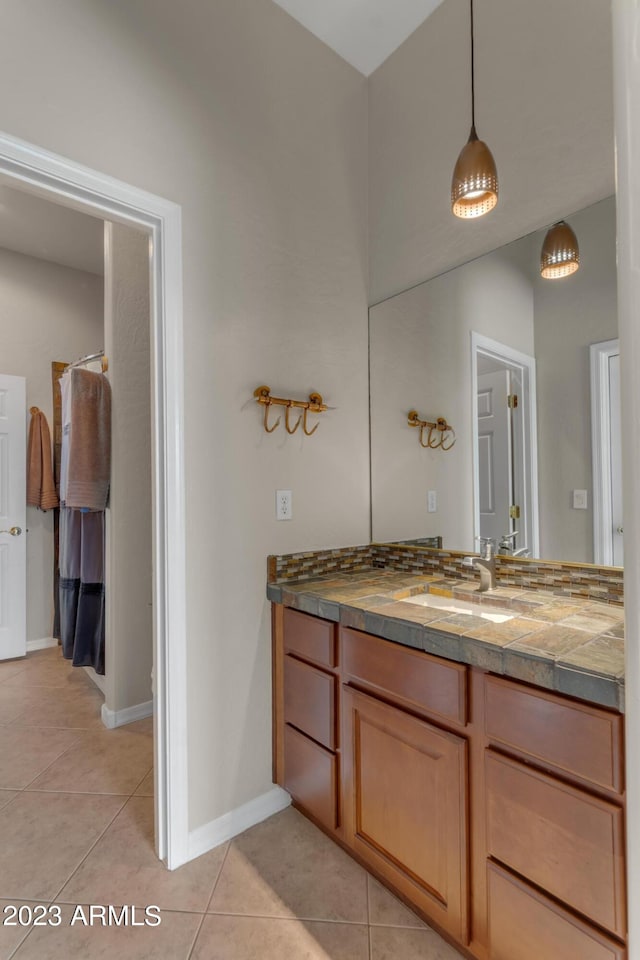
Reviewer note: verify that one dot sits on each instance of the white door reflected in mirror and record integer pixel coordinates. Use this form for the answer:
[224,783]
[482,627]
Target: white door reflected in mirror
[607,453]
[504,446]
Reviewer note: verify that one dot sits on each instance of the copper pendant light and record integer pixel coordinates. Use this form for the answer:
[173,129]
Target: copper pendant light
[474,186]
[560,256]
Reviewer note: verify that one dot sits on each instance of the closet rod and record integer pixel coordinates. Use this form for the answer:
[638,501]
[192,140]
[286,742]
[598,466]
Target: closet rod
[90,356]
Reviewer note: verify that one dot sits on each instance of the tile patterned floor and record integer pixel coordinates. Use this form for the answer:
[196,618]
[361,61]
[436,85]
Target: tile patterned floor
[76,827]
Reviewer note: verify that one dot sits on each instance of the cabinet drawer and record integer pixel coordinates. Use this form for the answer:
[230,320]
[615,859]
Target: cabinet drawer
[411,677]
[577,738]
[309,700]
[562,839]
[310,637]
[310,776]
[525,925]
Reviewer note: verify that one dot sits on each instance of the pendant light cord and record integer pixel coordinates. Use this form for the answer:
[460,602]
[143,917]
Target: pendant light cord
[473,85]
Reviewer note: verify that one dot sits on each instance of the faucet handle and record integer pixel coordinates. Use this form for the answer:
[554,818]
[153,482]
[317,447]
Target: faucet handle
[488,545]
[508,541]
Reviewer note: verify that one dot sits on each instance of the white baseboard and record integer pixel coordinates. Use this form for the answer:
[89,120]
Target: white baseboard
[41,644]
[117,718]
[229,825]
[97,678]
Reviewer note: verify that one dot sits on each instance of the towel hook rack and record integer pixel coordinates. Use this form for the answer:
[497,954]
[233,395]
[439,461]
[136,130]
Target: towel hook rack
[439,425]
[315,404]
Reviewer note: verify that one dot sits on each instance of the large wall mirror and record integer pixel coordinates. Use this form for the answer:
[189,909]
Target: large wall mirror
[539,476]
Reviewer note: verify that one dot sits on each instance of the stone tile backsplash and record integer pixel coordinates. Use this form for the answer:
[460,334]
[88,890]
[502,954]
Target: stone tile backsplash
[586,581]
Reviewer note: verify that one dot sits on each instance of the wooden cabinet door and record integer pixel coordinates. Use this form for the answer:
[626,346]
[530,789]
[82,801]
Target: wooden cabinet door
[405,805]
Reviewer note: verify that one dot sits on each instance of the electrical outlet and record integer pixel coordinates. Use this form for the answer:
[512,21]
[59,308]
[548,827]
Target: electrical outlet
[579,499]
[432,501]
[284,505]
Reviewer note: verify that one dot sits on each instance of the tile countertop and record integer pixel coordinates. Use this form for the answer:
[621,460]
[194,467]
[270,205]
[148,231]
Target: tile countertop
[570,645]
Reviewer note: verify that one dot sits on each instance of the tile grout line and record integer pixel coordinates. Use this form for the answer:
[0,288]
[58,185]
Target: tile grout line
[49,765]
[275,916]
[79,793]
[92,847]
[20,943]
[195,939]
[138,785]
[219,874]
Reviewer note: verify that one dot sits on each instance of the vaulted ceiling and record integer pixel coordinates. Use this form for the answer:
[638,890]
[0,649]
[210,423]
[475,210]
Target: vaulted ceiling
[363,32]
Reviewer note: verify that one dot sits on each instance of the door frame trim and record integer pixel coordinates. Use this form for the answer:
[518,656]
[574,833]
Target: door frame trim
[52,177]
[600,353]
[500,351]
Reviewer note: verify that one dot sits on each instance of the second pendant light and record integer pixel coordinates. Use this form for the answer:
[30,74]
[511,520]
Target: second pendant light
[474,186]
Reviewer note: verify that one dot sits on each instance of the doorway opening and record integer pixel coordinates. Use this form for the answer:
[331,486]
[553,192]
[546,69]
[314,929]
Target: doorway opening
[504,447]
[64,182]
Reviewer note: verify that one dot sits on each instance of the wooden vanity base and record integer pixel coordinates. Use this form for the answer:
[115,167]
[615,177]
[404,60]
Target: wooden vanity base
[492,807]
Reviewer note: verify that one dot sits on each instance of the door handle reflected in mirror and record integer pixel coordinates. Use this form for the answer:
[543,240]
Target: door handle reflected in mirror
[619,530]
[14,531]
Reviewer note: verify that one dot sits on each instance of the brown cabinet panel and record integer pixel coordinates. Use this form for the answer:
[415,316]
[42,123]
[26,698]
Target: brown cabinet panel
[309,700]
[310,776]
[562,839]
[530,864]
[310,637]
[405,805]
[580,739]
[422,682]
[525,925]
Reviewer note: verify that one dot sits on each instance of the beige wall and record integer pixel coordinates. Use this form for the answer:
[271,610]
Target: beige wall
[569,316]
[421,359]
[47,312]
[129,624]
[543,104]
[234,111]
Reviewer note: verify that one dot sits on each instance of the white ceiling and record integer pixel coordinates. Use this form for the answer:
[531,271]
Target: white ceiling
[39,228]
[363,32]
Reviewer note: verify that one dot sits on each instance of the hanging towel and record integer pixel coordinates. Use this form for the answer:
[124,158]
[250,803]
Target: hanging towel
[41,489]
[89,441]
[82,626]
[65,421]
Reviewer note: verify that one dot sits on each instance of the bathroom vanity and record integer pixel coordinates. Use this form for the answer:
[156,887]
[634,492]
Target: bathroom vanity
[436,744]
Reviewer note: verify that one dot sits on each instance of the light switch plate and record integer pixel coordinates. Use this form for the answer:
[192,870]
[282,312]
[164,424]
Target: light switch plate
[432,501]
[579,499]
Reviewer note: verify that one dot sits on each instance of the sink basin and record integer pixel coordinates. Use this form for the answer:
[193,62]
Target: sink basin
[451,605]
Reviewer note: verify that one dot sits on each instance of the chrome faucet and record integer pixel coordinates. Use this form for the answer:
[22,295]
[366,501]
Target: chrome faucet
[507,542]
[486,564]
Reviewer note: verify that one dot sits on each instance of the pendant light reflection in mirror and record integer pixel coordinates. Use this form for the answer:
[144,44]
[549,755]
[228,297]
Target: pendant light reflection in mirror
[560,255]
[474,186]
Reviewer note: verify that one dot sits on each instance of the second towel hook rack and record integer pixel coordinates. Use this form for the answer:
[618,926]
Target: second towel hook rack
[439,425]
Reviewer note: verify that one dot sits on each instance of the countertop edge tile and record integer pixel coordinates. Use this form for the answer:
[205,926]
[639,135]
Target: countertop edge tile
[587,686]
[329,610]
[531,666]
[274,592]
